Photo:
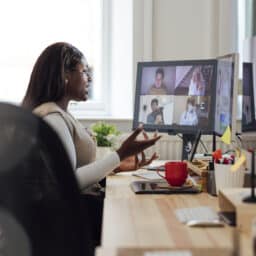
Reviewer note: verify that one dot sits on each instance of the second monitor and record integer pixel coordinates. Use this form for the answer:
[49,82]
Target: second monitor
[248,112]
[226,94]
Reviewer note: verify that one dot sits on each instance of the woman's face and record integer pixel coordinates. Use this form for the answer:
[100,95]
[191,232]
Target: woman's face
[158,80]
[78,82]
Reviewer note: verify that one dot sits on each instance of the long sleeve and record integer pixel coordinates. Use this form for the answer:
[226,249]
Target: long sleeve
[87,174]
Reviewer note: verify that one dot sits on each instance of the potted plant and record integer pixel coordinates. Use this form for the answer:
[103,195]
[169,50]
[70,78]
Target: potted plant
[106,136]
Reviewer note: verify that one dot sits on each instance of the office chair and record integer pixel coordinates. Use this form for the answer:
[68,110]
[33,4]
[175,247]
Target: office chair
[38,188]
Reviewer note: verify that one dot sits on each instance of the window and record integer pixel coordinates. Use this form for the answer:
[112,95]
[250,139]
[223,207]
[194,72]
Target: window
[28,26]
[113,93]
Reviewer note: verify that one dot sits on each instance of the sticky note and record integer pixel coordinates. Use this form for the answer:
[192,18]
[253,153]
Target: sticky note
[226,137]
[238,163]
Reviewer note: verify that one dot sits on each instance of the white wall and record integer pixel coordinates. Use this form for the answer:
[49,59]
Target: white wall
[227,27]
[183,29]
[187,29]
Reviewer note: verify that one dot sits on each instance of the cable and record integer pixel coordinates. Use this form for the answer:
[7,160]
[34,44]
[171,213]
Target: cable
[205,148]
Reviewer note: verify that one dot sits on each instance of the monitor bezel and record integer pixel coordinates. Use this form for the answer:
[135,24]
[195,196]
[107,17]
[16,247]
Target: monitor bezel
[235,59]
[252,126]
[174,129]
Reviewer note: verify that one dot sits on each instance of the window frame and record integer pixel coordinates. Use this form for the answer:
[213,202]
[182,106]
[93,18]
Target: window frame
[92,107]
[117,85]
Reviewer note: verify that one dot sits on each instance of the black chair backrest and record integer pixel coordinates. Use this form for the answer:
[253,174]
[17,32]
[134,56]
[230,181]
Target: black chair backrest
[38,186]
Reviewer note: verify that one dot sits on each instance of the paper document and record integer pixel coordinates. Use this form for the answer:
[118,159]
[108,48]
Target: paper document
[147,175]
[158,163]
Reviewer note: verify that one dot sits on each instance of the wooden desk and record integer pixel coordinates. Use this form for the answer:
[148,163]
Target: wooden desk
[146,222]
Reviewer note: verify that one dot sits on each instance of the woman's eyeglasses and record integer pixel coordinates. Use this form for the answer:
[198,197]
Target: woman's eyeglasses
[83,72]
[86,72]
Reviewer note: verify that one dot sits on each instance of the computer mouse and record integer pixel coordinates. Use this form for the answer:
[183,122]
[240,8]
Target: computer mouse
[205,223]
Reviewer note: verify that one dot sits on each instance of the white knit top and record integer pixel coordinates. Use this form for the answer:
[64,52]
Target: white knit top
[79,144]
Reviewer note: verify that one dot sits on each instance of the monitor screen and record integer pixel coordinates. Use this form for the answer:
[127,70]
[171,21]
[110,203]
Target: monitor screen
[225,90]
[175,96]
[248,119]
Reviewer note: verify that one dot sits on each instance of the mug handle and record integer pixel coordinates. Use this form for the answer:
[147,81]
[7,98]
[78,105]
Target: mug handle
[158,172]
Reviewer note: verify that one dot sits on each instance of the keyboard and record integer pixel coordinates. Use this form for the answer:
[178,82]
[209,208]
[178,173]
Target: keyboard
[202,213]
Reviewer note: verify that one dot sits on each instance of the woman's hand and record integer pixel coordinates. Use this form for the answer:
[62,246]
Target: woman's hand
[132,147]
[133,163]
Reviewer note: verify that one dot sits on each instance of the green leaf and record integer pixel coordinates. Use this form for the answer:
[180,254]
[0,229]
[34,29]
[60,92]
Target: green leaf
[102,130]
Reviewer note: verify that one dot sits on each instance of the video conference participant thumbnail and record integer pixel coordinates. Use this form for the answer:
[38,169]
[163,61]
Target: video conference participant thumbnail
[156,110]
[156,116]
[158,87]
[189,116]
[191,111]
[193,80]
[158,80]
[197,83]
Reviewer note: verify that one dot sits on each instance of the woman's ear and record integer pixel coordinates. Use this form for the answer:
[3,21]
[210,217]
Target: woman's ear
[67,78]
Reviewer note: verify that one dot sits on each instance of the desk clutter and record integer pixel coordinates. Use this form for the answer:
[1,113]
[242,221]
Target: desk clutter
[162,187]
[168,178]
[223,170]
[211,173]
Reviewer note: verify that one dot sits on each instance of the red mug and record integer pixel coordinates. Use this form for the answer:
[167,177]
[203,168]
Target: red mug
[176,173]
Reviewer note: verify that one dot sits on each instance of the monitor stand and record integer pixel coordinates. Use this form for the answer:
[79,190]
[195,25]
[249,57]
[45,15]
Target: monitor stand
[213,142]
[187,142]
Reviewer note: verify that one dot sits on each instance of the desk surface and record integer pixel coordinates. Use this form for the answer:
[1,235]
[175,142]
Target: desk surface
[148,221]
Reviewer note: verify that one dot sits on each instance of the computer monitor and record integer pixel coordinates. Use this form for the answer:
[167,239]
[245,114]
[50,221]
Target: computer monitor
[226,94]
[248,112]
[176,96]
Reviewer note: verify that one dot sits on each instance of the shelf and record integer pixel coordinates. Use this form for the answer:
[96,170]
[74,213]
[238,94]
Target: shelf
[231,200]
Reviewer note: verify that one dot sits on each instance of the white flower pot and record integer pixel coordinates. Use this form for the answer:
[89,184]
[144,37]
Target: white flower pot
[225,178]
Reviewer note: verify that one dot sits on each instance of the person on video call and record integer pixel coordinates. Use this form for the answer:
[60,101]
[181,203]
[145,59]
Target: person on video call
[197,84]
[189,116]
[156,116]
[158,88]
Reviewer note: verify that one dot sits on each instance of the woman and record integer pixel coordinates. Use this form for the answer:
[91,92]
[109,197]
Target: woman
[197,85]
[61,74]
[189,116]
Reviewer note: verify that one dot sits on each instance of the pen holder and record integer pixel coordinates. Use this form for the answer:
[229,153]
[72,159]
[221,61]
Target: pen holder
[225,178]
[211,186]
